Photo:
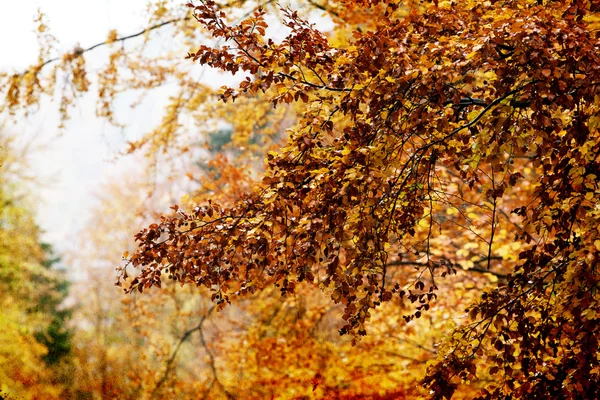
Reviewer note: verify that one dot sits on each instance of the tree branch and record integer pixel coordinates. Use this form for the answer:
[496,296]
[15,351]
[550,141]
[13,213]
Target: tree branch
[212,364]
[185,337]
[323,8]
[107,42]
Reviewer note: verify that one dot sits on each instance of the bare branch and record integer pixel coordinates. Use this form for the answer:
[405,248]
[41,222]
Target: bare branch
[186,335]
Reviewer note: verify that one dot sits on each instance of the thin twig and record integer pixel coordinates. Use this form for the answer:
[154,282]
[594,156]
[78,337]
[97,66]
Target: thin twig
[489,256]
[120,39]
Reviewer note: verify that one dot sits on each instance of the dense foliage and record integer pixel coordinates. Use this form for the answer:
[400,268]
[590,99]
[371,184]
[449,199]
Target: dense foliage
[421,159]
[473,126]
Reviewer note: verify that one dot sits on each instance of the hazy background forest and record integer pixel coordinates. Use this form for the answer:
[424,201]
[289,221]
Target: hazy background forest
[109,120]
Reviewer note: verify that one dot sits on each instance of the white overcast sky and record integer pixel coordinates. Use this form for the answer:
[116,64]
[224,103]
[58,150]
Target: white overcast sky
[71,166]
[72,22]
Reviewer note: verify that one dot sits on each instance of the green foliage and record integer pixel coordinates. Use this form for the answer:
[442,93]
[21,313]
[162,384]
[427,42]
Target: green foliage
[56,336]
[35,342]
[219,138]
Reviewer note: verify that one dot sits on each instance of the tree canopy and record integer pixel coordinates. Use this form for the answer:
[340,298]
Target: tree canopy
[438,155]
[446,137]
